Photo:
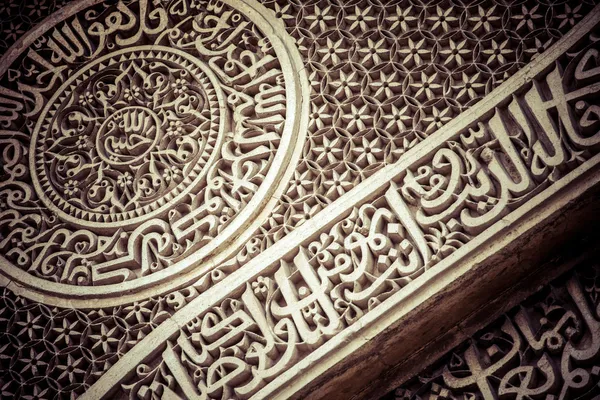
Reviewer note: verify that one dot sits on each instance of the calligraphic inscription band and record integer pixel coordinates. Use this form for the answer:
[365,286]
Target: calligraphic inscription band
[308,295]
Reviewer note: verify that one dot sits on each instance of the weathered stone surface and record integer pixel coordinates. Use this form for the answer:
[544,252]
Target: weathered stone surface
[229,199]
[545,347]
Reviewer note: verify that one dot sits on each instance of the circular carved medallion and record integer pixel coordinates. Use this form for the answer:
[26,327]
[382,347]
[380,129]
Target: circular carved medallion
[145,142]
[115,141]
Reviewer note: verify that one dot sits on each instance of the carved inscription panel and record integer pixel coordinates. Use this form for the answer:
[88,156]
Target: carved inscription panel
[547,347]
[146,141]
[141,138]
[302,307]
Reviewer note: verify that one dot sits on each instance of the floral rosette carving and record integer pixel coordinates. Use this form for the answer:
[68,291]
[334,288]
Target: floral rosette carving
[127,135]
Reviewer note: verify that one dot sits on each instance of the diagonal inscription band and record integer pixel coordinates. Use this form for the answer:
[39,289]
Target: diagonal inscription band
[356,268]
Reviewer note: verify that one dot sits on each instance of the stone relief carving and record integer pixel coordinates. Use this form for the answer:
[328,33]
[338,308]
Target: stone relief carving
[546,347]
[452,193]
[239,345]
[135,137]
[386,75]
[112,162]
[368,110]
[334,163]
[157,141]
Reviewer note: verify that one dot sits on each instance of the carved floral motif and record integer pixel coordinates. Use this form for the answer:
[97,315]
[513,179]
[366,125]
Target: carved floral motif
[124,132]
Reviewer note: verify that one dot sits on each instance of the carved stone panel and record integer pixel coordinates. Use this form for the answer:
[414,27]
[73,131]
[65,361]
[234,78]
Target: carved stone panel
[232,199]
[146,144]
[299,305]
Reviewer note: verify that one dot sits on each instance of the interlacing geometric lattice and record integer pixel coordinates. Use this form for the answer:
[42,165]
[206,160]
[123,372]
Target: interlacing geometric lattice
[58,353]
[18,17]
[386,75]
[383,77]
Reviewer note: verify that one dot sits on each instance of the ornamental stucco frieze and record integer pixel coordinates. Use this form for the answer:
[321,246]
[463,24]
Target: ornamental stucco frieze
[402,225]
[208,198]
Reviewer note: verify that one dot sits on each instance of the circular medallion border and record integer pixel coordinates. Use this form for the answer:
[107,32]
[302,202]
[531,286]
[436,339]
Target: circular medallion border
[113,221]
[231,238]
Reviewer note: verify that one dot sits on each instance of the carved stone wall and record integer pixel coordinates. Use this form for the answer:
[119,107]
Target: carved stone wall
[546,347]
[210,199]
